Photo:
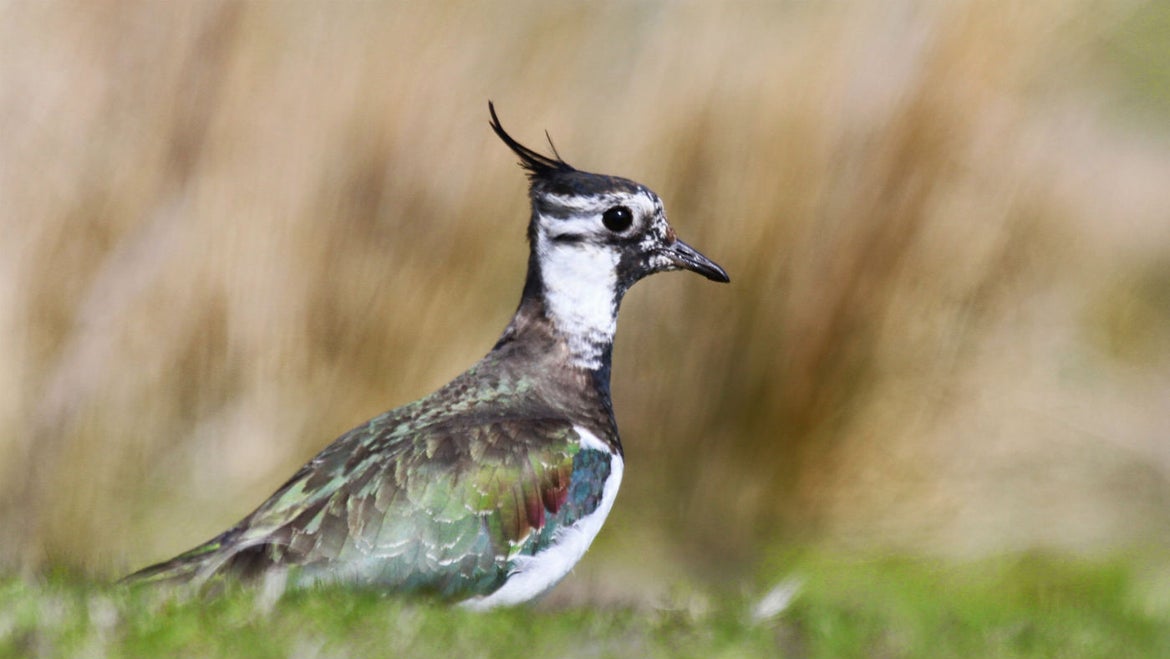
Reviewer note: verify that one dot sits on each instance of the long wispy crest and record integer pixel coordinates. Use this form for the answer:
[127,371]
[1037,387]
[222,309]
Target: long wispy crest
[537,164]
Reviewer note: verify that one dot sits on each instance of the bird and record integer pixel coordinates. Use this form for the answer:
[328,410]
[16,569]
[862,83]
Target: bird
[488,491]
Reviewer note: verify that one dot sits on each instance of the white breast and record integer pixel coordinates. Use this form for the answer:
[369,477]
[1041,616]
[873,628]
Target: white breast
[534,575]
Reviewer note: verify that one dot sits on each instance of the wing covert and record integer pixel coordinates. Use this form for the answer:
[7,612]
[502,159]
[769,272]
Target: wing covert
[444,509]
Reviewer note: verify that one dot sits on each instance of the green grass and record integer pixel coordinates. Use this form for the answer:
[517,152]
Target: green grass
[1024,607]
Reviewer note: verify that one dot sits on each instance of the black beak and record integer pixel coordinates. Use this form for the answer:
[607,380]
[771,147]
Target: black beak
[688,258]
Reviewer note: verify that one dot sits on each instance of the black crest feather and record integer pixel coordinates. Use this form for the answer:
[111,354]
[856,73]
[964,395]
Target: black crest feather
[538,165]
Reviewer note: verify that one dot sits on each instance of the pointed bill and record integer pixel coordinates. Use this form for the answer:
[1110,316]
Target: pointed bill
[686,257]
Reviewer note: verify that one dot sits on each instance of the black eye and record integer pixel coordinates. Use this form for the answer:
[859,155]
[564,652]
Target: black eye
[617,219]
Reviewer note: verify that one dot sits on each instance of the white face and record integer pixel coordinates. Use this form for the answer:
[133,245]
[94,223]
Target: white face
[592,237]
[581,242]
[585,217]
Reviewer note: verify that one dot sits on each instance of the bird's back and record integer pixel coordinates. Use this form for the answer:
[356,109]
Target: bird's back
[442,496]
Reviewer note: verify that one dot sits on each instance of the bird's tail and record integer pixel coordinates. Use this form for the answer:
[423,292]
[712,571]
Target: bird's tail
[190,567]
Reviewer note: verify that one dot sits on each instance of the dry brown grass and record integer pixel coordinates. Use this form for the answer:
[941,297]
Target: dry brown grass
[233,230]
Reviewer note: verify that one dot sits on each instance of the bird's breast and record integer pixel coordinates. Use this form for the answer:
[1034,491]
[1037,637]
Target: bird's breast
[593,487]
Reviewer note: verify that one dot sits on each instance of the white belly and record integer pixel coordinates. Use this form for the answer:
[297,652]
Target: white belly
[534,575]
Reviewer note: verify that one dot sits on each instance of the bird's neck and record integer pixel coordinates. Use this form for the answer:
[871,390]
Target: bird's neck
[570,300]
[581,295]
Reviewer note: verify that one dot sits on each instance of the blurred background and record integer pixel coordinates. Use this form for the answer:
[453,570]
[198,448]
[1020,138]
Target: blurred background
[230,231]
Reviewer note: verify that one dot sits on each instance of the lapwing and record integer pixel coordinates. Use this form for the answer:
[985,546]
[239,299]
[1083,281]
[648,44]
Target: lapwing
[488,491]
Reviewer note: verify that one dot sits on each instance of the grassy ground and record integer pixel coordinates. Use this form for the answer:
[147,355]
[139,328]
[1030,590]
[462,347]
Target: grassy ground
[1023,607]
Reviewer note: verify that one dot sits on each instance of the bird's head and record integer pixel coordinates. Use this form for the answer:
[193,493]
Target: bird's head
[593,237]
[625,221]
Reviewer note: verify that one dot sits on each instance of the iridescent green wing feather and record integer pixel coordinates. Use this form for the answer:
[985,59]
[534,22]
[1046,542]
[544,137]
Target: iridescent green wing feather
[443,510]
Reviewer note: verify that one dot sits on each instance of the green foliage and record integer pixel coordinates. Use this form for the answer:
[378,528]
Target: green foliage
[1021,607]
[1027,607]
[1140,54]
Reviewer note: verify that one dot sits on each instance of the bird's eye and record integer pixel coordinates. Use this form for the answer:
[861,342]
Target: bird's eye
[617,219]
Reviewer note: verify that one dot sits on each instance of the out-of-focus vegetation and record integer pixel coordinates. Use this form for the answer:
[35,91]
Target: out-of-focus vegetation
[1030,607]
[230,231]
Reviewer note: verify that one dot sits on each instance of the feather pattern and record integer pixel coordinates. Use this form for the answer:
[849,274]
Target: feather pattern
[440,496]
